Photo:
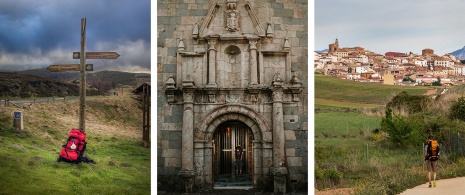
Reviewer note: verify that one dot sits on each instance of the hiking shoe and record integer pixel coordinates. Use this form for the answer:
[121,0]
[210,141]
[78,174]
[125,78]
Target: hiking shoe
[434,183]
[429,185]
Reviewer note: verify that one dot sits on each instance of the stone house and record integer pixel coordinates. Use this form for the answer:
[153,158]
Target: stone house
[232,74]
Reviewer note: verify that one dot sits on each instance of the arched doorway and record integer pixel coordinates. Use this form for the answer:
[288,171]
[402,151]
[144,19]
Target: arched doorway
[231,170]
[204,139]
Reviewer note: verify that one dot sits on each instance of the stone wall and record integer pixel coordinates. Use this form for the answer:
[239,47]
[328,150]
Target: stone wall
[177,19]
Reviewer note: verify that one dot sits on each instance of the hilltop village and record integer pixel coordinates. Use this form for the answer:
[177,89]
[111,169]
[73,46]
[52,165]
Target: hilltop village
[392,68]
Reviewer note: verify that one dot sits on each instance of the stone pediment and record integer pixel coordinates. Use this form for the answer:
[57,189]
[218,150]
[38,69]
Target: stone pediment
[231,21]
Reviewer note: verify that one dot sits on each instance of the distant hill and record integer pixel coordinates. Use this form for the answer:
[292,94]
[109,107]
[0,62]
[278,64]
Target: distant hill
[119,78]
[460,54]
[322,51]
[42,72]
[25,86]
[103,81]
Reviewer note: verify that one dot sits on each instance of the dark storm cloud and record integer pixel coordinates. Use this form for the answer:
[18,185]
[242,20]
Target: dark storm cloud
[34,33]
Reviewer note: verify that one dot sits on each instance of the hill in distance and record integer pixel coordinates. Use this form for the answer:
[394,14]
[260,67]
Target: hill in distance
[118,77]
[102,81]
[25,86]
[460,53]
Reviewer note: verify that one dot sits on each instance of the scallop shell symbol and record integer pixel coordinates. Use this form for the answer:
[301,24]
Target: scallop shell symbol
[73,146]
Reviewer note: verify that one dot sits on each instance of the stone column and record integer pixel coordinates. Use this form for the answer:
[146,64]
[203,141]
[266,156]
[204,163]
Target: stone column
[187,170]
[258,155]
[253,61]
[279,171]
[199,162]
[208,164]
[212,61]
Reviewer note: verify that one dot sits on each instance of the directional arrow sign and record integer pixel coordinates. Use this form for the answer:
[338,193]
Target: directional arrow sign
[69,67]
[97,55]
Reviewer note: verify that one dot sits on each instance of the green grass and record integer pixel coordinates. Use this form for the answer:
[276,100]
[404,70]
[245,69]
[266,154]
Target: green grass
[332,88]
[28,158]
[334,103]
[371,165]
[123,167]
[368,162]
[339,123]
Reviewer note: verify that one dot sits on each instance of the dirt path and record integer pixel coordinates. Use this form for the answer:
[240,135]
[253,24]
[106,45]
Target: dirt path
[444,186]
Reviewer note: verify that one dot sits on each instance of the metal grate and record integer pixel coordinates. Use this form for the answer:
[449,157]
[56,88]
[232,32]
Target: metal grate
[226,138]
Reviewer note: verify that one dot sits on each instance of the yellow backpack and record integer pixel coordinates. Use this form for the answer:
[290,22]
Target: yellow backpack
[433,150]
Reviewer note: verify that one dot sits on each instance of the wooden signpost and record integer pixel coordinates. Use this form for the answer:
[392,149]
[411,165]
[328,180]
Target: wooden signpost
[83,67]
[97,55]
[68,67]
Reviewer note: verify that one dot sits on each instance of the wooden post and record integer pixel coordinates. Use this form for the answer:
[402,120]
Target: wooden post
[82,108]
[146,115]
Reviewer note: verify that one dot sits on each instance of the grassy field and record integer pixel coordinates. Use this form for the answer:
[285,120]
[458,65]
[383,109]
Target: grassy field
[334,103]
[332,88]
[28,157]
[365,161]
[368,162]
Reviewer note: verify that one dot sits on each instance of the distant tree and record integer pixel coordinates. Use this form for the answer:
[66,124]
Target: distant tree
[437,83]
[408,79]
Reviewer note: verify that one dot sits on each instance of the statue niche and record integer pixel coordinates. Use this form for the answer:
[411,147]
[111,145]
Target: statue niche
[233,70]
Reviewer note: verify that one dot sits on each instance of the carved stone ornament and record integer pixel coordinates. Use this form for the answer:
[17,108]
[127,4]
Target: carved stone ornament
[170,89]
[188,97]
[188,82]
[286,45]
[181,46]
[232,20]
[277,77]
[232,4]
[253,43]
[254,98]
[269,30]
[277,80]
[296,88]
[211,44]
[277,96]
[195,31]
[211,98]
[170,83]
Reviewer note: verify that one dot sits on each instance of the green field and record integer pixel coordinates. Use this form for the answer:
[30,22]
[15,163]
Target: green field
[333,88]
[349,151]
[28,158]
[334,128]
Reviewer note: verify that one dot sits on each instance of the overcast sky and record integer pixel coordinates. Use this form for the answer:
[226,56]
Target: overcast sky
[391,25]
[35,34]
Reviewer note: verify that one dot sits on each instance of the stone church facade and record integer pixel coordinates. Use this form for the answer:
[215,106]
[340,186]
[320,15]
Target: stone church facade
[232,73]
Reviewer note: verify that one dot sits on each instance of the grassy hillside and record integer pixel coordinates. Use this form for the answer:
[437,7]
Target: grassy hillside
[19,85]
[28,157]
[44,73]
[119,78]
[114,78]
[342,90]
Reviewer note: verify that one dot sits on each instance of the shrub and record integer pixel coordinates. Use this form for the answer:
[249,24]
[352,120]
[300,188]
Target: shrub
[411,103]
[401,130]
[333,175]
[457,110]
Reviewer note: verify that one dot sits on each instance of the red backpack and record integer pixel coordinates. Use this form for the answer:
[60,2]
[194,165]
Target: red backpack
[74,148]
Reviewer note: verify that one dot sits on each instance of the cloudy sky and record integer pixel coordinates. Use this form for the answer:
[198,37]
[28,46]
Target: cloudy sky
[391,25]
[35,34]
